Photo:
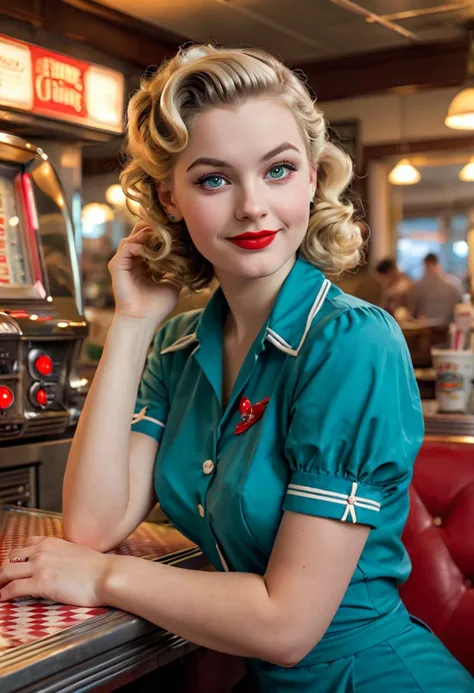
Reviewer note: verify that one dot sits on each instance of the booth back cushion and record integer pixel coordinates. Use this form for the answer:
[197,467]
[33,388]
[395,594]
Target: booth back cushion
[439,537]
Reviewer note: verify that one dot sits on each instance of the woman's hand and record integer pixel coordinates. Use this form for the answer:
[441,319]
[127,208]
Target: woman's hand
[56,569]
[136,295]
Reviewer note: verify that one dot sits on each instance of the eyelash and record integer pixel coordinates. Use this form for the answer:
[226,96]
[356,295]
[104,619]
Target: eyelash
[286,164]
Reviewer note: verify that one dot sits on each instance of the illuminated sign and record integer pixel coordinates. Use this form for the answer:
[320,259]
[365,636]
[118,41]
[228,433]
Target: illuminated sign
[56,86]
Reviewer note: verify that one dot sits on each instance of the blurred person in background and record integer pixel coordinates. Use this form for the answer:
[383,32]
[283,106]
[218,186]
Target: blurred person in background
[434,296]
[363,284]
[396,285]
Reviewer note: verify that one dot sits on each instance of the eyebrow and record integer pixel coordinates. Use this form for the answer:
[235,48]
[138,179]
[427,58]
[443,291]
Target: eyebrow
[206,161]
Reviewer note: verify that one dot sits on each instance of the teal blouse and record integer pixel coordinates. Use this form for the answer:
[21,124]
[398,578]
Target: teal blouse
[337,439]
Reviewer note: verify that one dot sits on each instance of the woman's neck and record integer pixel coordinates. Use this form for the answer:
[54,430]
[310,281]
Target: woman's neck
[250,301]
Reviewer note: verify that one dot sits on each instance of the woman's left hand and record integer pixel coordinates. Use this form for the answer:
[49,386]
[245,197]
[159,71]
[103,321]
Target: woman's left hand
[56,569]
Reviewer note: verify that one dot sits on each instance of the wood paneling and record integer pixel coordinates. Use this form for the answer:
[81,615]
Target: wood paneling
[379,151]
[419,67]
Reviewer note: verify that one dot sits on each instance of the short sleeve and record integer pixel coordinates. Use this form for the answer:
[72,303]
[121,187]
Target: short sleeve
[151,407]
[357,423]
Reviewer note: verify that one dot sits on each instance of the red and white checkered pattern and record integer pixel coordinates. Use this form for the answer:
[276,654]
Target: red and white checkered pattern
[24,621]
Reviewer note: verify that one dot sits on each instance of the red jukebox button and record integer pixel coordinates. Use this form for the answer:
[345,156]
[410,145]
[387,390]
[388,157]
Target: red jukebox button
[6,397]
[41,397]
[44,365]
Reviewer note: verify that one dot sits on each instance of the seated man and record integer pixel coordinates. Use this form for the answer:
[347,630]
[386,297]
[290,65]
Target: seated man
[396,285]
[434,296]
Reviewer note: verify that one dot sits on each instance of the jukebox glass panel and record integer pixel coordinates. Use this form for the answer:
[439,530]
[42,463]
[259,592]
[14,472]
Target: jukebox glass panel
[15,265]
[53,230]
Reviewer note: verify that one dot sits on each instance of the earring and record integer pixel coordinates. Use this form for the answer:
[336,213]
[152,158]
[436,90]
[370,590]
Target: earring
[171,217]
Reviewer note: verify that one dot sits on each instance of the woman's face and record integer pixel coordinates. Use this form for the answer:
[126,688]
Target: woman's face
[244,171]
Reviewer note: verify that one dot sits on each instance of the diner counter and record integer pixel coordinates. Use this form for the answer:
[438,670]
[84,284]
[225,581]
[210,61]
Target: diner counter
[50,647]
[446,425]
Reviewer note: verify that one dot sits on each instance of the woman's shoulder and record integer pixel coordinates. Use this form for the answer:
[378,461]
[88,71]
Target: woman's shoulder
[179,331]
[349,322]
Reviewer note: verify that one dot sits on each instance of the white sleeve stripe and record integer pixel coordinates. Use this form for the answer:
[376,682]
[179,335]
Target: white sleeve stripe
[141,416]
[331,500]
[148,418]
[332,494]
[350,501]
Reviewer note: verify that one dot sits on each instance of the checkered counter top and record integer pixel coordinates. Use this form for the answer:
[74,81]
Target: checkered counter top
[25,621]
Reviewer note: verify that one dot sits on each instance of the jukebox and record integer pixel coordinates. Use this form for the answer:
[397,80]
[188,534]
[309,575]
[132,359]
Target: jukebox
[41,318]
[41,315]
[52,107]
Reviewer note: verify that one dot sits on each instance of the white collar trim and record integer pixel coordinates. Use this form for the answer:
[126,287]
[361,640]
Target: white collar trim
[181,343]
[272,336]
[280,343]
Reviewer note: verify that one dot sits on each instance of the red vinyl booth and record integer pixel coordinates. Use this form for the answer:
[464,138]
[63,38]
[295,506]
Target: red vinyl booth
[439,537]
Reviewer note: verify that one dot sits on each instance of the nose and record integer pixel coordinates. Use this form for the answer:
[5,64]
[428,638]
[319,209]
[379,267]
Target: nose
[250,204]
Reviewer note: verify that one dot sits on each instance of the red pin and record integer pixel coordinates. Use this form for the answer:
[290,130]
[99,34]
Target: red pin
[250,413]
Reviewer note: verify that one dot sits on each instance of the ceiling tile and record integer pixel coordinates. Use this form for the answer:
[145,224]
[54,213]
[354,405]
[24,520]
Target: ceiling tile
[319,28]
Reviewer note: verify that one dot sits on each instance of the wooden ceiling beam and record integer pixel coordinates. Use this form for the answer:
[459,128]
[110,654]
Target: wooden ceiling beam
[379,151]
[412,68]
[415,67]
[103,28]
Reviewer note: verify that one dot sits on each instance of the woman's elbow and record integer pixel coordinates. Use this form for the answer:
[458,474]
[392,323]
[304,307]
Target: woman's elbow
[90,540]
[288,651]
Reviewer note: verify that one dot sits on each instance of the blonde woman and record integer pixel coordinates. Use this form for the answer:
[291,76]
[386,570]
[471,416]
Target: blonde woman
[277,428]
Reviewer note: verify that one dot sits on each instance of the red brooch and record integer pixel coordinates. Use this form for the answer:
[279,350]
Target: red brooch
[250,414]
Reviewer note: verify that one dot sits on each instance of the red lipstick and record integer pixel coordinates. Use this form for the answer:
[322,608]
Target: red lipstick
[254,240]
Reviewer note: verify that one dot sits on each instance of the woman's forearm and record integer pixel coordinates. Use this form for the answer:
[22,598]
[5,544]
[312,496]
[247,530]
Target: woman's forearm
[96,481]
[228,612]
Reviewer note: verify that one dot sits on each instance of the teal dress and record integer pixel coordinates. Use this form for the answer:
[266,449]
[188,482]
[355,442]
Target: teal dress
[339,432]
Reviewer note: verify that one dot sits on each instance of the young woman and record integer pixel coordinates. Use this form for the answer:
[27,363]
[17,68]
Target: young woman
[277,428]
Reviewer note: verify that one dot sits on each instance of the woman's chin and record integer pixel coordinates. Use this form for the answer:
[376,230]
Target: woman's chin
[254,265]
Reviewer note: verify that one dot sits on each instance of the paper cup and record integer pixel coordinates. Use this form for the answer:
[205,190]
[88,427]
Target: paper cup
[454,375]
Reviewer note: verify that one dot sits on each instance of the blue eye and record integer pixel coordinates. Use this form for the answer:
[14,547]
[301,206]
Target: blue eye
[211,182]
[281,171]
[277,172]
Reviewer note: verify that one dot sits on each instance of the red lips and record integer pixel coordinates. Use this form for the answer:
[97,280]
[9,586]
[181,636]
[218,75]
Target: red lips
[253,234]
[255,240]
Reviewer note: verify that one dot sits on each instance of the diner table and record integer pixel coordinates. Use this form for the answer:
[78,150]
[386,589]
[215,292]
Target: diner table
[446,425]
[49,647]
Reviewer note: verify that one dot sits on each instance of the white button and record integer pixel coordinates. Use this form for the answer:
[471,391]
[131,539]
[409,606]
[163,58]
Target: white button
[208,466]
[201,510]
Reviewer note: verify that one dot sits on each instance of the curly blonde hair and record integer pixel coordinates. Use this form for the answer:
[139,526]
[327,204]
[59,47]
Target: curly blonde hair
[159,117]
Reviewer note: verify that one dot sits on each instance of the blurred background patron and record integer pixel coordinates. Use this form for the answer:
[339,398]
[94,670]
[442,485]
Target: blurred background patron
[435,295]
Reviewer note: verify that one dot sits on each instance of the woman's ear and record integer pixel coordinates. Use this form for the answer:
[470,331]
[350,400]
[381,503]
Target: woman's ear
[165,196]
[313,179]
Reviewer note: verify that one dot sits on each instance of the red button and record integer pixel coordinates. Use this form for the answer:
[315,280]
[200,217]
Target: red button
[42,397]
[44,365]
[6,397]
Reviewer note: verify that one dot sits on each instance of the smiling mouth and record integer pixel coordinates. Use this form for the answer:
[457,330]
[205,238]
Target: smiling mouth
[254,240]
[253,234]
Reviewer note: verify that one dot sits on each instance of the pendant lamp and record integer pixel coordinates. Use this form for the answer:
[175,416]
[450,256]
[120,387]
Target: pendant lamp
[461,109]
[467,172]
[404,173]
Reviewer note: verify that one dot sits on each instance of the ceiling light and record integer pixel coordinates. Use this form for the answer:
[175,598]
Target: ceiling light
[96,213]
[115,195]
[461,111]
[404,174]
[467,172]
